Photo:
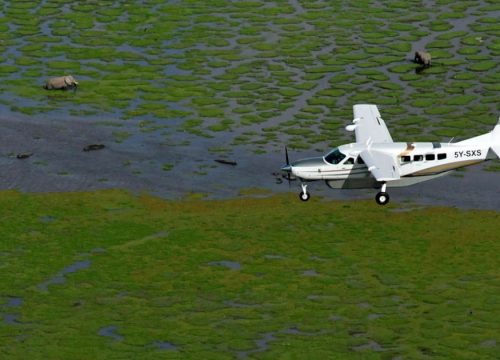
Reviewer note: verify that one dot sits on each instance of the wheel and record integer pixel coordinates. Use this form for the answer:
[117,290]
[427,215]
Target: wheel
[382,198]
[304,196]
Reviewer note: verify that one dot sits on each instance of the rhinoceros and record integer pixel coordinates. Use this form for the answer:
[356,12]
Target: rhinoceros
[61,82]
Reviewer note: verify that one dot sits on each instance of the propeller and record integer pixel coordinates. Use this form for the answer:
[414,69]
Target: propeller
[287,168]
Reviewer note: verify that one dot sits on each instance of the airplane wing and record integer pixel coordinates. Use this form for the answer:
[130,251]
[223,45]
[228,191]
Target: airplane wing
[368,125]
[382,165]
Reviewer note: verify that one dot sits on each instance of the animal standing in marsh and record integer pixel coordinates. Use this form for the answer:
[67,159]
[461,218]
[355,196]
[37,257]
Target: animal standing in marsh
[61,83]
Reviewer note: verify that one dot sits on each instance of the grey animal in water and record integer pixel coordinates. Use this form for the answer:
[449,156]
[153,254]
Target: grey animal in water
[61,83]
[93,147]
[226,162]
[422,57]
[24,155]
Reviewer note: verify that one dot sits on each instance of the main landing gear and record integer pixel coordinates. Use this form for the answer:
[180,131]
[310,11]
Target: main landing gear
[382,197]
[304,195]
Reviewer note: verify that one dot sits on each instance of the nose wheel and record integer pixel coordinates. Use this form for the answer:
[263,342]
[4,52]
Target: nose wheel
[304,195]
[382,197]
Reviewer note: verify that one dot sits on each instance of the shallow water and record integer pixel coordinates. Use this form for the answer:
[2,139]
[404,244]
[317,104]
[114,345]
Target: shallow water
[59,164]
[262,345]
[11,319]
[110,331]
[233,265]
[372,345]
[14,302]
[60,277]
[164,345]
[310,273]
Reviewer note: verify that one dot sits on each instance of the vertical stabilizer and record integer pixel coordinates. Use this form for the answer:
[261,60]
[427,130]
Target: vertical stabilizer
[495,139]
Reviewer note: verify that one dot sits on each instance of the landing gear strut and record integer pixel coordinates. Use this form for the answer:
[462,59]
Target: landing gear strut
[382,197]
[304,195]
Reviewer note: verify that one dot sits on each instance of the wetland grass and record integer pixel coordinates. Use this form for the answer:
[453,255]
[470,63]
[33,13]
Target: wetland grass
[213,277]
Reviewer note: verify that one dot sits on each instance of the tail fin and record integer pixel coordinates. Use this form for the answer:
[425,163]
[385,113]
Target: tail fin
[495,139]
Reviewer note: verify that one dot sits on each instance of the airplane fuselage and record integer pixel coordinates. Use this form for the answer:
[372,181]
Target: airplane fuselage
[343,168]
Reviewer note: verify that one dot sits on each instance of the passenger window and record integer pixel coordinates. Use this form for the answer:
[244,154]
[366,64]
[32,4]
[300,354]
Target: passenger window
[349,161]
[360,160]
[441,156]
[405,159]
[430,157]
[418,157]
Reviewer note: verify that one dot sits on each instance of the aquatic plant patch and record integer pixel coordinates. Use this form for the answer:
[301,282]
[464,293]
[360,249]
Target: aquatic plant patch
[131,53]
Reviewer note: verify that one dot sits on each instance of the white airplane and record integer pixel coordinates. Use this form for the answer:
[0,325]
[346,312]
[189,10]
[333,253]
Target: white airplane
[375,161]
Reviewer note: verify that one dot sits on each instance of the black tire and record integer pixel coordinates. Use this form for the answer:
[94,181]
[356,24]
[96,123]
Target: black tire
[382,198]
[304,196]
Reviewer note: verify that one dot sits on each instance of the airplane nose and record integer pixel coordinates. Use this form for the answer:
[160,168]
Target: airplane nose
[287,168]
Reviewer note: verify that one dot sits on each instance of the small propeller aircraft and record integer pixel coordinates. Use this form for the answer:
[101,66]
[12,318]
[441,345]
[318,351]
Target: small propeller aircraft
[375,161]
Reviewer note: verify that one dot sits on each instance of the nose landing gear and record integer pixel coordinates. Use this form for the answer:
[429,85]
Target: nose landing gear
[382,198]
[304,195]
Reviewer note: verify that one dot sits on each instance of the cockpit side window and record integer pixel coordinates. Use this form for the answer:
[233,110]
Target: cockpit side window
[334,157]
[349,161]
[359,160]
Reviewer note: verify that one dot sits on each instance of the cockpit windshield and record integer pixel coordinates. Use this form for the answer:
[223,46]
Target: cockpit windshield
[334,156]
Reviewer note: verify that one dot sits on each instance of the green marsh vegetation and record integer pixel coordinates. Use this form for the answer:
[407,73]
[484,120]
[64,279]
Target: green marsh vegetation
[215,68]
[111,275]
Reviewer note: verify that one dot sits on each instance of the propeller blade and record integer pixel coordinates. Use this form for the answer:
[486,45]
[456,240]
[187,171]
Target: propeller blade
[288,164]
